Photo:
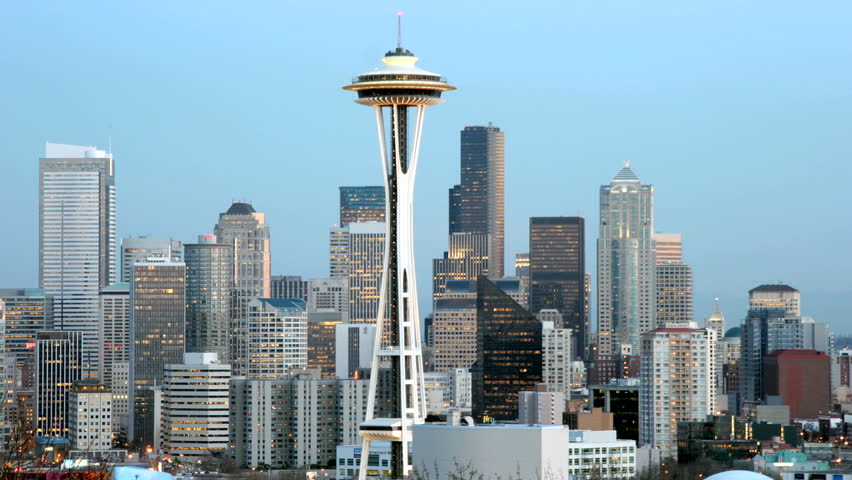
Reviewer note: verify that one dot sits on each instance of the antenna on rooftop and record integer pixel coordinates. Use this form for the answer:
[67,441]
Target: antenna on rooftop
[398,29]
[109,140]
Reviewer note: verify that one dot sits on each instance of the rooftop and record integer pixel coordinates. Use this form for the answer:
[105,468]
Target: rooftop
[779,287]
[240,208]
[626,175]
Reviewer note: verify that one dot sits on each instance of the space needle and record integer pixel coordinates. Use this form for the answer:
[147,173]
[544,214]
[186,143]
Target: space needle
[404,91]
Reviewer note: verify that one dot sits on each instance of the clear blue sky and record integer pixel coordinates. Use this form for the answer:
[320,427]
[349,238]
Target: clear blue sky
[739,113]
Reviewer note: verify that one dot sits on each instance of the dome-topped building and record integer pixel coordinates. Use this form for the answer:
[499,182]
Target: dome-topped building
[240,208]
[738,475]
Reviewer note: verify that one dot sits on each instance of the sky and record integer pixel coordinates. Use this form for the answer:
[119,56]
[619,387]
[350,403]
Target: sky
[737,112]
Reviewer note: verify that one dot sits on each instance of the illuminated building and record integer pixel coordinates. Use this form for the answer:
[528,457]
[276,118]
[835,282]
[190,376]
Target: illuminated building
[140,249]
[626,261]
[558,271]
[157,332]
[195,407]
[321,340]
[77,238]
[362,204]
[276,340]
[508,353]
[247,232]
[678,383]
[405,91]
[466,259]
[114,328]
[357,251]
[23,313]
[556,355]
[58,364]
[90,417]
[209,286]
[522,272]
[477,203]
[621,399]
[769,297]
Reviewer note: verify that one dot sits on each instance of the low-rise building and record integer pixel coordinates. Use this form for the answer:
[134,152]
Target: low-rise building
[599,454]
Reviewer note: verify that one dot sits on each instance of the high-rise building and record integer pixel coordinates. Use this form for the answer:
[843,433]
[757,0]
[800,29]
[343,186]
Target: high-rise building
[209,286]
[77,238]
[294,421]
[357,253]
[353,348]
[400,87]
[58,364]
[321,344]
[767,297]
[90,417]
[454,322]
[362,204]
[477,203]
[673,281]
[626,262]
[466,259]
[195,407]
[289,286]
[556,355]
[541,407]
[621,399]
[114,328]
[23,313]
[328,295]
[678,384]
[247,232]
[558,271]
[276,340]
[801,378]
[522,272]
[140,249]
[508,353]
[157,333]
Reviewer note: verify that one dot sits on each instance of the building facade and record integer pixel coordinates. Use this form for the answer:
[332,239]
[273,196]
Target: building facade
[557,273]
[140,249]
[90,418]
[626,261]
[77,238]
[357,253]
[802,378]
[289,286]
[195,407]
[362,204]
[465,259]
[677,383]
[157,332]
[477,203]
[209,289]
[59,363]
[276,340]
[508,353]
[114,328]
[245,229]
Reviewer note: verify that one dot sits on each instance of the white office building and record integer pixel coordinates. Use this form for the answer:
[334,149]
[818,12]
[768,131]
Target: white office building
[353,348]
[276,337]
[450,390]
[114,329]
[599,454]
[541,407]
[556,357]
[195,407]
[90,418]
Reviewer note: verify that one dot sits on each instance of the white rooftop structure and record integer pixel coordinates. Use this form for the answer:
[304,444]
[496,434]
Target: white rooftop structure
[60,150]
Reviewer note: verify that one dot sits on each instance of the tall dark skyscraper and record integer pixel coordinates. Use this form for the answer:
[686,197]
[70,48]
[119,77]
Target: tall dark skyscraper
[557,273]
[362,204]
[477,203]
[508,353]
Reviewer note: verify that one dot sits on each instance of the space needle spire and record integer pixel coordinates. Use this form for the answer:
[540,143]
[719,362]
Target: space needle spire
[399,92]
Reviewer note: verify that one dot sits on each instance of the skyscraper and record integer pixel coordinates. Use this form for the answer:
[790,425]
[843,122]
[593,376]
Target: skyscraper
[626,261]
[195,406]
[362,204]
[77,238]
[400,87]
[140,249]
[114,328]
[673,282]
[357,253]
[557,272]
[276,340]
[209,285]
[508,353]
[157,332]
[247,232]
[58,361]
[289,286]
[477,203]
[766,297]
[678,383]
[466,259]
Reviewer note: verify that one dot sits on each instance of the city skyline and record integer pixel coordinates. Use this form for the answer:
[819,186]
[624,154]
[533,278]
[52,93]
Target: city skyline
[704,190]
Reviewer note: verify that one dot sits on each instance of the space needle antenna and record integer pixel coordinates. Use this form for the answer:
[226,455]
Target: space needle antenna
[399,30]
